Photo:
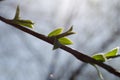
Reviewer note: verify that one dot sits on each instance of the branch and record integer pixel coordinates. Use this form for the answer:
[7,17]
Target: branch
[80,56]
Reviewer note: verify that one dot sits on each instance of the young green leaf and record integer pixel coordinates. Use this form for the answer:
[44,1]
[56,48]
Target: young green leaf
[17,20]
[17,13]
[27,23]
[65,41]
[55,32]
[99,57]
[112,53]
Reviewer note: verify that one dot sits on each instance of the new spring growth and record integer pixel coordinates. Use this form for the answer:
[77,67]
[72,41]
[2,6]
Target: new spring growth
[60,37]
[21,22]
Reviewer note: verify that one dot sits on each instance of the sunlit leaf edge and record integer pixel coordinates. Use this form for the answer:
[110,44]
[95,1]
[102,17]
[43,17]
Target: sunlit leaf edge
[99,57]
[112,53]
[55,32]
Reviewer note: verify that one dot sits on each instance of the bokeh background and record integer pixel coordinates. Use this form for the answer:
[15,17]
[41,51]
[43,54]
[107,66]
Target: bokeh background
[24,57]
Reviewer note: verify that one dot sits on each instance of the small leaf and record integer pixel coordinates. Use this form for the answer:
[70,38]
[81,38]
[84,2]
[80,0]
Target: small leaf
[99,57]
[56,44]
[27,23]
[17,13]
[113,53]
[55,32]
[65,41]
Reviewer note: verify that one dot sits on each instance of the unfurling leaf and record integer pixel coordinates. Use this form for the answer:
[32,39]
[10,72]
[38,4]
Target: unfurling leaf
[55,32]
[65,41]
[71,28]
[67,33]
[104,57]
[17,14]
[27,23]
[113,53]
[99,57]
[21,22]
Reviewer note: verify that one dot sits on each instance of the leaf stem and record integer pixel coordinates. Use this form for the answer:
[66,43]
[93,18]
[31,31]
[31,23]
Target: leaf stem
[99,73]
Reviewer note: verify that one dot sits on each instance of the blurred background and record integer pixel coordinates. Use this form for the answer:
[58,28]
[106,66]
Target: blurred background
[24,57]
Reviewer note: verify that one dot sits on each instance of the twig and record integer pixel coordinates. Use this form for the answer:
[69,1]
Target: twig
[80,56]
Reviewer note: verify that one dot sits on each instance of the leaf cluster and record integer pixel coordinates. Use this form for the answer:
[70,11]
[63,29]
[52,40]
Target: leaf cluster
[21,22]
[60,38]
[102,57]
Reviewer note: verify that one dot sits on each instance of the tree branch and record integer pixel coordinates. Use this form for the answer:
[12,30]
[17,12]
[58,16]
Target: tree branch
[80,56]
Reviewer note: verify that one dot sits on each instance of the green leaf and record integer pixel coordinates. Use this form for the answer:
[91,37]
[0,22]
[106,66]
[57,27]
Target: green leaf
[17,13]
[99,57]
[55,32]
[65,41]
[27,23]
[17,20]
[113,53]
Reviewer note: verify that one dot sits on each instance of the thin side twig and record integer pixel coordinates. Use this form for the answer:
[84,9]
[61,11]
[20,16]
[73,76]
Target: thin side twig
[80,56]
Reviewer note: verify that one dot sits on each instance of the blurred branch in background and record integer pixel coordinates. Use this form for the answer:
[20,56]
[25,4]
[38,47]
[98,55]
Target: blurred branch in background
[51,71]
[78,71]
[113,37]
[1,0]
[65,70]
